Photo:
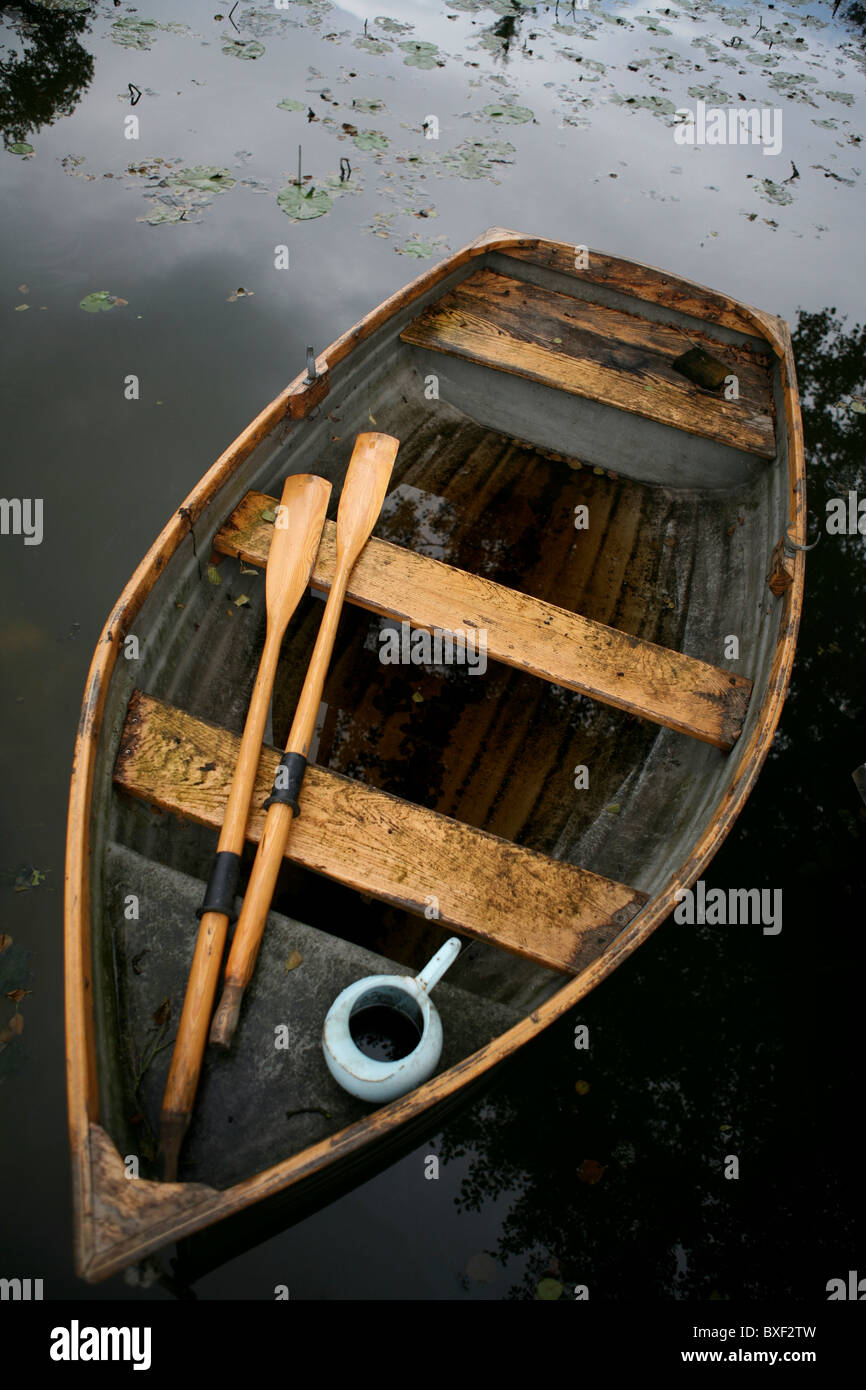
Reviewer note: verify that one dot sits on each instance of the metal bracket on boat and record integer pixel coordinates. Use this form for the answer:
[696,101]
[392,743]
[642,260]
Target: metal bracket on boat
[288,785]
[312,374]
[222,886]
[781,574]
[791,547]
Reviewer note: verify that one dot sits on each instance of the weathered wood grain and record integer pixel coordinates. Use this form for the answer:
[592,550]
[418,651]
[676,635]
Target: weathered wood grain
[591,350]
[666,687]
[537,907]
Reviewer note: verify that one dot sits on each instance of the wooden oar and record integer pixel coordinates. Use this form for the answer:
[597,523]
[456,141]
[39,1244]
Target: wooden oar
[361,500]
[294,545]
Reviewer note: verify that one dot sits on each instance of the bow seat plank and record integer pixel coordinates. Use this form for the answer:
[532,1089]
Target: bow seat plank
[658,684]
[604,354]
[539,908]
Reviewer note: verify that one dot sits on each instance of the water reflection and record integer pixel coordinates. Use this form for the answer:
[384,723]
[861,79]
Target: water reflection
[48,77]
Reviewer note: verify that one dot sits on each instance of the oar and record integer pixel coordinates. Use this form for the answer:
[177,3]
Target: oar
[294,544]
[363,493]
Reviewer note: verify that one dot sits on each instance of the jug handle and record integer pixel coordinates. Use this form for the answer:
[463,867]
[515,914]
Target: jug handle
[436,967]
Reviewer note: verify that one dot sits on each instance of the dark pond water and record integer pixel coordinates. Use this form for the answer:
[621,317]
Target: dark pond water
[604,1167]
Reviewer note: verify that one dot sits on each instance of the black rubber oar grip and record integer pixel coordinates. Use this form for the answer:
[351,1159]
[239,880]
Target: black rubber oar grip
[287,781]
[222,886]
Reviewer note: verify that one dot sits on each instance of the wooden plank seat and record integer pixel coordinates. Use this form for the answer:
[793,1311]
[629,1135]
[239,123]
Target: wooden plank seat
[653,682]
[540,908]
[605,354]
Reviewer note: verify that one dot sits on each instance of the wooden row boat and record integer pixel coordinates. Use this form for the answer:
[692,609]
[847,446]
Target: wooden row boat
[610,525]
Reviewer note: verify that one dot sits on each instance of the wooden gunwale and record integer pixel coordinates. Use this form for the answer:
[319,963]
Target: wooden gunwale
[136,1228]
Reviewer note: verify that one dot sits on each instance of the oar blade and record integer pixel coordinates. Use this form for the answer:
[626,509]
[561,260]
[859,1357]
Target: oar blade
[295,543]
[364,490]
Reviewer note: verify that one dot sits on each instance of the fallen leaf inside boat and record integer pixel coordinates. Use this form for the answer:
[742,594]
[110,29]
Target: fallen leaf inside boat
[293,961]
[13,1029]
[213,574]
[163,1013]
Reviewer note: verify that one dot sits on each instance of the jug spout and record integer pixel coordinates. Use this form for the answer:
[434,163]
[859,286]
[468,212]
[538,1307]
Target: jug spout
[436,967]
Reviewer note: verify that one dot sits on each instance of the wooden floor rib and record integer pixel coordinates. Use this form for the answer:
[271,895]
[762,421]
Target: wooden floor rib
[603,354]
[644,679]
[537,907]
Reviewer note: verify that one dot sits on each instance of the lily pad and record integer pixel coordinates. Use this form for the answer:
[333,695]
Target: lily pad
[368,104]
[207,178]
[845,97]
[134,33]
[302,205]
[392,26]
[287,104]
[98,302]
[474,159]
[21,147]
[419,55]
[511,115]
[371,140]
[373,45]
[421,250]
[247,49]
[775,192]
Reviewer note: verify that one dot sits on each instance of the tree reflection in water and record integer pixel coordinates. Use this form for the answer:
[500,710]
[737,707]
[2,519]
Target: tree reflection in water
[48,77]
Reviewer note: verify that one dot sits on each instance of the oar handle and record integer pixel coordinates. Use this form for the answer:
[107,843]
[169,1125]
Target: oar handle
[361,499]
[278,822]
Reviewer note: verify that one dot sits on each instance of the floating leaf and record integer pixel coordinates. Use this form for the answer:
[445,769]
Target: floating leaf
[248,49]
[20,307]
[213,574]
[420,55]
[392,26]
[20,147]
[473,159]
[422,250]
[98,302]
[513,115]
[287,104]
[775,192]
[371,140]
[418,698]
[293,961]
[207,178]
[373,45]
[301,205]
[548,1290]
[241,601]
[16,995]
[368,104]
[134,33]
